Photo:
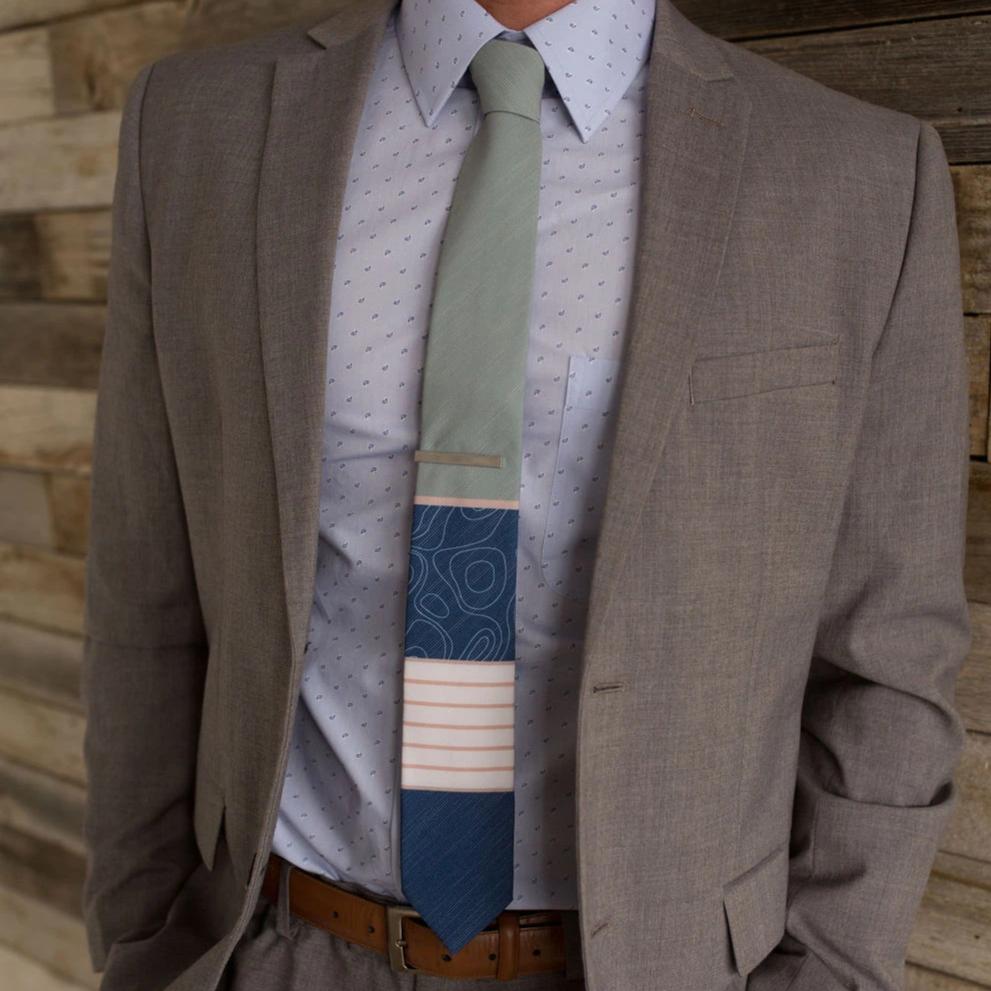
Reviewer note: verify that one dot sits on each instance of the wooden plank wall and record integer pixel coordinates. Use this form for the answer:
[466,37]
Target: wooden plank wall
[64,67]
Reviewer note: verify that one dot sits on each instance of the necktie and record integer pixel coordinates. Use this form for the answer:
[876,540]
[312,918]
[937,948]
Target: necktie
[456,799]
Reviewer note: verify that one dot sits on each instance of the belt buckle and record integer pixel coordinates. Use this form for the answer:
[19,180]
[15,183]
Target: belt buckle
[394,915]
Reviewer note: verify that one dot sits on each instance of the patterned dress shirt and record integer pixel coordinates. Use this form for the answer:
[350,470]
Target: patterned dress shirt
[338,814]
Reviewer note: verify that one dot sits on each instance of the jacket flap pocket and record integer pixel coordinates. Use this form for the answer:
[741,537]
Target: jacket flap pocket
[755,903]
[723,376]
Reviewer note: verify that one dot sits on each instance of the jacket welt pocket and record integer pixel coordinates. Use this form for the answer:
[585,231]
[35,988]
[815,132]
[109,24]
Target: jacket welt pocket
[748,373]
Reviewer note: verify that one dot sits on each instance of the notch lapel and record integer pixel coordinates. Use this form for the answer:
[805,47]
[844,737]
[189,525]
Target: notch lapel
[316,104]
[697,120]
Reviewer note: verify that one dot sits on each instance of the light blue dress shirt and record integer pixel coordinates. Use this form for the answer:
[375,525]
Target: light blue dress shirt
[339,809]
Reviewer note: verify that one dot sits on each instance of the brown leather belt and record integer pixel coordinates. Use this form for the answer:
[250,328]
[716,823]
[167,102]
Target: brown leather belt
[520,942]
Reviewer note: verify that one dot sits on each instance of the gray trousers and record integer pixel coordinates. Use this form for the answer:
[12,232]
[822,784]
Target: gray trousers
[280,952]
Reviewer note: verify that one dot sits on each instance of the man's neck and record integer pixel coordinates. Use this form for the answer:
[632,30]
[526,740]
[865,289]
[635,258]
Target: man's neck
[518,14]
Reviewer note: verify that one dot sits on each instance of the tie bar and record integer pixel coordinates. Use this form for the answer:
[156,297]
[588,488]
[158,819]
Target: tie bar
[458,458]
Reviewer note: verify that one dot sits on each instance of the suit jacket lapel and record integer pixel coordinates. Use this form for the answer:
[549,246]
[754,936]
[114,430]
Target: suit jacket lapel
[697,119]
[317,100]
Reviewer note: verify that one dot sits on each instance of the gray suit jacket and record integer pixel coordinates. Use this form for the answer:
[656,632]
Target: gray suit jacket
[767,734]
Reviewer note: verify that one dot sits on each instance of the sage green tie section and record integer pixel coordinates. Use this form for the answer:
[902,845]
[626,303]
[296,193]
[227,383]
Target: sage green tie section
[472,400]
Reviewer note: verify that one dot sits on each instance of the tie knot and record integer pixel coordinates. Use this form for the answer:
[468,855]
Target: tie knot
[509,76]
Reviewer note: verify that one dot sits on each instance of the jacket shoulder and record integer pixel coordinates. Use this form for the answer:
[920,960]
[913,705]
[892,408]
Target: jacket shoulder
[820,125]
[218,78]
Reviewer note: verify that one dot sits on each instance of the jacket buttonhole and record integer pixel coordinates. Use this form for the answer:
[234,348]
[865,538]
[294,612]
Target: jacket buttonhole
[608,686]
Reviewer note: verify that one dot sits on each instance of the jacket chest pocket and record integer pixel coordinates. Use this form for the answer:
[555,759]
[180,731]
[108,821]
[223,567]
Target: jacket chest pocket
[578,487]
[748,373]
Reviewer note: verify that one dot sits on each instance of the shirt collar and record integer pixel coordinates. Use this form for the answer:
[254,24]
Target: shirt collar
[593,50]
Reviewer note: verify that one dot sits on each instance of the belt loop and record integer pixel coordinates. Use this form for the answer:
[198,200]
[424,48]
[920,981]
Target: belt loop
[285,925]
[508,966]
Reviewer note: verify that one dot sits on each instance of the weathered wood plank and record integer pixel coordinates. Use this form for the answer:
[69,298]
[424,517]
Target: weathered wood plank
[45,510]
[969,832]
[36,804]
[978,341]
[973,200]
[973,696]
[51,344]
[966,141]
[16,13]
[752,18]
[73,254]
[43,736]
[923,979]
[69,503]
[20,261]
[40,932]
[41,588]
[936,69]
[951,929]
[26,86]
[21,973]
[94,59]
[212,21]
[59,256]
[25,515]
[41,870]
[47,428]
[977,565]
[41,664]
[60,163]
[84,63]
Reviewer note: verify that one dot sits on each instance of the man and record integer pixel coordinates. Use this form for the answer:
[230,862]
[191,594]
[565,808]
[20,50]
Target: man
[528,511]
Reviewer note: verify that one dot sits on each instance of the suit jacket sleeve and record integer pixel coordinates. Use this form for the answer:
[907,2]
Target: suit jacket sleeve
[145,648]
[880,734]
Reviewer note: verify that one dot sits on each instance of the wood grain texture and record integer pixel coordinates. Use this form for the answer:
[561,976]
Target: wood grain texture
[973,203]
[73,255]
[25,516]
[16,13]
[969,832]
[977,564]
[58,256]
[45,737]
[52,344]
[26,85]
[45,510]
[978,341]
[41,588]
[93,59]
[36,804]
[61,163]
[937,70]
[21,973]
[749,18]
[69,506]
[951,933]
[41,870]
[20,261]
[41,932]
[41,664]
[973,695]
[923,979]
[965,140]
[46,428]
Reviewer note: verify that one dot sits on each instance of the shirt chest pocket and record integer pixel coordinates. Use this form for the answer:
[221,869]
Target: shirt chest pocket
[577,492]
